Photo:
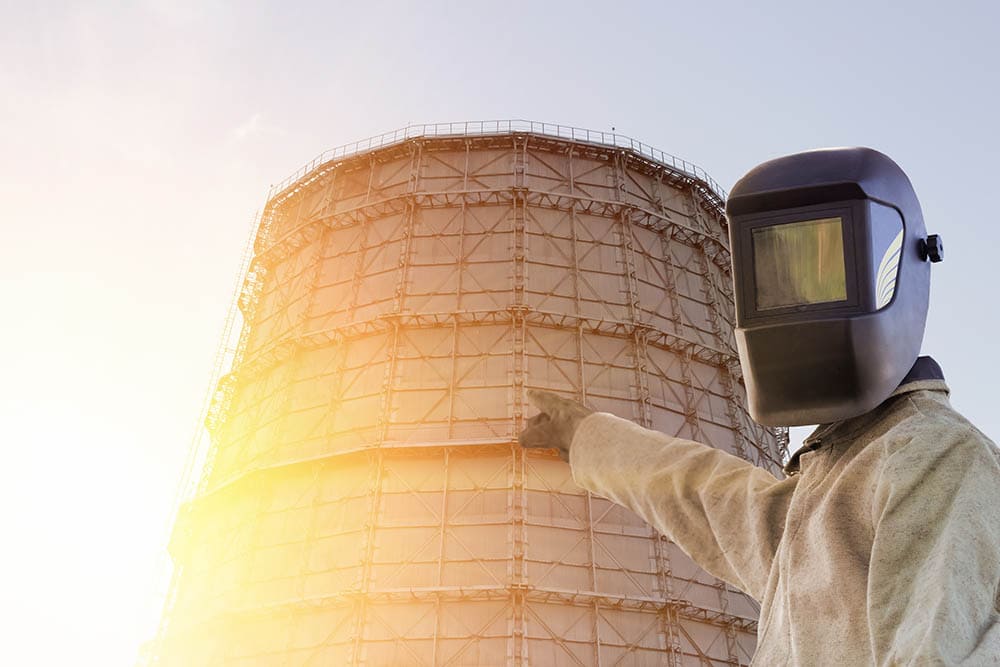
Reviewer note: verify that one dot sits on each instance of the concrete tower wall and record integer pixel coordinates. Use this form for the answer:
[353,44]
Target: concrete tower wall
[365,501]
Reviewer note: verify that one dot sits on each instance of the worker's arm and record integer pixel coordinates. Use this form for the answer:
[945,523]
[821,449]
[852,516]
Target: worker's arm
[724,512]
[935,563]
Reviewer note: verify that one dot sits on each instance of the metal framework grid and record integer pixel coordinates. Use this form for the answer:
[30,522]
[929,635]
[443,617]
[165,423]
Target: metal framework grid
[364,501]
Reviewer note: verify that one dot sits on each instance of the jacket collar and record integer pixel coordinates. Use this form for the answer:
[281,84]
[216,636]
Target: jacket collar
[926,374]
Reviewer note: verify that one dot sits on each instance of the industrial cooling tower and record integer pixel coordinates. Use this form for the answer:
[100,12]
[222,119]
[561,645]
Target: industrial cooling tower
[364,500]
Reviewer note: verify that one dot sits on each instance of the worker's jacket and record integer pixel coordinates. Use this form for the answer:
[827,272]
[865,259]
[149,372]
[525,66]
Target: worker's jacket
[880,547]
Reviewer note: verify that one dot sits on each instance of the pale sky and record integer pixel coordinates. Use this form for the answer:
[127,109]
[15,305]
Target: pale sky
[138,139]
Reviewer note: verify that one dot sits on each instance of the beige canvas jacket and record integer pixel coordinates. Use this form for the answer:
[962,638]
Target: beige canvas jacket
[880,547]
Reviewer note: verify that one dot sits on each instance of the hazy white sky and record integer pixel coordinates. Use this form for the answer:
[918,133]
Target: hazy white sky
[138,139]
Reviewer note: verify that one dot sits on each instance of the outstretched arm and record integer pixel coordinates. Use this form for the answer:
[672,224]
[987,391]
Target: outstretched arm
[724,512]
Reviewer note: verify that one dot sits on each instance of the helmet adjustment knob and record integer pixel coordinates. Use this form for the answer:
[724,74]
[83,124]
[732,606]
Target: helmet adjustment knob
[932,248]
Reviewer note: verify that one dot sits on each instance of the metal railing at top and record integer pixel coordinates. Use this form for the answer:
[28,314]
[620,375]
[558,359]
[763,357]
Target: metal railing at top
[493,127]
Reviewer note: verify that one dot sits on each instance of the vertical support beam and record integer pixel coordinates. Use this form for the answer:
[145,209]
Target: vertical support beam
[399,295]
[518,493]
[403,263]
[710,288]
[371,177]
[465,169]
[741,439]
[340,346]
[452,384]
[732,648]
[582,393]
[441,550]
[518,568]
[409,220]
[518,652]
[518,306]
[359,267]
[456,330]
[592,542]
[388,383]
[336,396]
[697,214]
[311,278]
[670,282]
[329,196]
[520,161]
[655,186]
[577,298]
[727,305]
[642,378]
[362,586]
[642,413]
[691,408]
[665,591]
[684,356]
[315,502]
[671,621]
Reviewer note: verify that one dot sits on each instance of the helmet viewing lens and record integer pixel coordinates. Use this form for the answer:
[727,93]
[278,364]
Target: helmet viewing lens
[799,263]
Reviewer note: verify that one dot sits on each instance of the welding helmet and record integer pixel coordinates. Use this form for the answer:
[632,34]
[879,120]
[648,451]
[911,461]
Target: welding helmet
[832,276]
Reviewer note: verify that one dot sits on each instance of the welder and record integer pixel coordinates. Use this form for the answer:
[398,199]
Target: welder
[880,545]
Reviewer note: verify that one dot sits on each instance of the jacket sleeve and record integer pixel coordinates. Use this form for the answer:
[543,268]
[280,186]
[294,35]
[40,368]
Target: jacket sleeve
[934,582]
[724,512]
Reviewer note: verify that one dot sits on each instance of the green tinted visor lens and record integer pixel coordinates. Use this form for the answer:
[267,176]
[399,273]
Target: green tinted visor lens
[799,263]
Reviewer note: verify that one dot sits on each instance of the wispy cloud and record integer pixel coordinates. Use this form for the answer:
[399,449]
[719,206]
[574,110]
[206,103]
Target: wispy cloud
[255,126]
[250,127]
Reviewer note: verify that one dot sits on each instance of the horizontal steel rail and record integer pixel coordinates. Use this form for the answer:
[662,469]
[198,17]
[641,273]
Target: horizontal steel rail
[499,127]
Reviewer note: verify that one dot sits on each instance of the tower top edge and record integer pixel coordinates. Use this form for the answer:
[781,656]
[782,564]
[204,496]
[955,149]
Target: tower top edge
[697,176]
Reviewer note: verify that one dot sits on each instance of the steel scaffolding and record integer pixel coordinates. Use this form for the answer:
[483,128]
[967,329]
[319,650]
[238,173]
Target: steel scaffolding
[364,501]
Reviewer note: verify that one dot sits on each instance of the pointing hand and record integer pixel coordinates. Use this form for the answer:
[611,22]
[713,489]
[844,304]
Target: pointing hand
[555,425]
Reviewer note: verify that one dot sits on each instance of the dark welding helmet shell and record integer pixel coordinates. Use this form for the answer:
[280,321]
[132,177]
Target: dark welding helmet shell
[813,363]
